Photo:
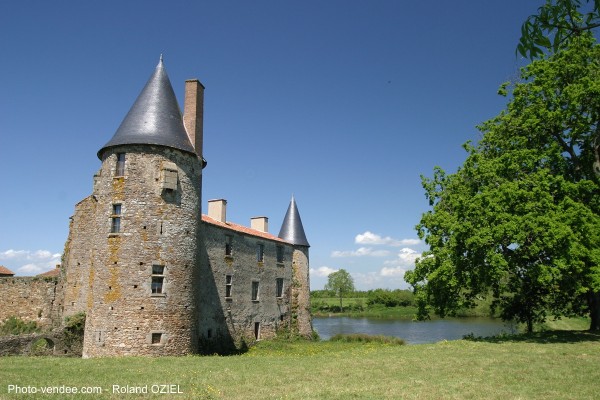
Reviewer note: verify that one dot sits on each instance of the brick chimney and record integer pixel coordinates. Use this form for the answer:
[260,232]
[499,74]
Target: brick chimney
[260,224]
[193,113]
[217,209]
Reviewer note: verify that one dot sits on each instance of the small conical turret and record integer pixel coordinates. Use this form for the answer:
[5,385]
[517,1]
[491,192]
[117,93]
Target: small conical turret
[154,118]
[292,229]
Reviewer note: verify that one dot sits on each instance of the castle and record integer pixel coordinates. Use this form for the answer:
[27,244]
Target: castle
[152,273]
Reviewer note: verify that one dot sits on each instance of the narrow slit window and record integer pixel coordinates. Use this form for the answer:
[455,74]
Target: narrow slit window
[228,245]
[279,287]
[115,226]
[228,285]
[260,253]
[279,254]
[120,170]
[255,291]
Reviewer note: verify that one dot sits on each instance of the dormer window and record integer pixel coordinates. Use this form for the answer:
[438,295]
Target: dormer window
[168,179]
[120,170]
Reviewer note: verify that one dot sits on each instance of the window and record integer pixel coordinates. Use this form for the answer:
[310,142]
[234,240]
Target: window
[120,170]
[228,280]
[279,254]
[158,279]
[228,244]
[115,226]
[279,287]
[257,330]
[156,337]
[255,291]
[260,253]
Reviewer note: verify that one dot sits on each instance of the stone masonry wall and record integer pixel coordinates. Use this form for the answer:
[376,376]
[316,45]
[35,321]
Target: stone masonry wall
[31,299]
[238,316]
[111,274]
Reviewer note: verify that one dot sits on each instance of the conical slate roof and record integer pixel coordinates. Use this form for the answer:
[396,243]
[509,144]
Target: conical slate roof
[292,230]
[154,118]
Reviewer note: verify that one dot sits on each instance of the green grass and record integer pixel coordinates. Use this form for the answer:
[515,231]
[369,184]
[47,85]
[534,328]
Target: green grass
[546,365]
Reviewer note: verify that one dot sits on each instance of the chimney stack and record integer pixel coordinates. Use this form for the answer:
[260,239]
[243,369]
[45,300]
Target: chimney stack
[217,209]
[193,113]
[260,224]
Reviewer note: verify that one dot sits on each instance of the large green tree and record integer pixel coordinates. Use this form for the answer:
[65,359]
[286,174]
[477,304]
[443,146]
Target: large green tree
[555,23]
[520,219]
[341,283]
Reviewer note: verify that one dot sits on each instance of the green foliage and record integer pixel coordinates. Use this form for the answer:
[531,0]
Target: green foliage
[75,323]
[16,326]
[364,338]
[41,347]
[556,23]
[390,298]
[341,283]
[521,218]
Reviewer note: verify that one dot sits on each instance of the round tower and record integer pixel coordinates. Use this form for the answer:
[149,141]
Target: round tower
[292,231]
[142,291]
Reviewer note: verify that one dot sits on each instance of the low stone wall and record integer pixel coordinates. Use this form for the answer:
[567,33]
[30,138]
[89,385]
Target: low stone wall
[60,343]
[31,299]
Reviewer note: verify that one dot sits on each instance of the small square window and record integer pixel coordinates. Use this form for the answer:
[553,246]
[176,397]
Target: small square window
[156,337]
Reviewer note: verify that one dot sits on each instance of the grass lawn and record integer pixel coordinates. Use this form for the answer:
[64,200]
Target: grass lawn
[547,365]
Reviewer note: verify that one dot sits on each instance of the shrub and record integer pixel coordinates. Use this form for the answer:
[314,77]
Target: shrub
[16,326]
[390,298]
[364,338]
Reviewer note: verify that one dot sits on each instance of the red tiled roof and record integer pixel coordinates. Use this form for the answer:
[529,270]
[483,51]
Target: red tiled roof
[5,271]
[52,273]
[241,228]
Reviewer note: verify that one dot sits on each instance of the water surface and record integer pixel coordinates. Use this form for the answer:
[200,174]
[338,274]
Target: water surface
[411,331]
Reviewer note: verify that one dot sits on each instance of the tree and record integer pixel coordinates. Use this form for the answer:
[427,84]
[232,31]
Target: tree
[520,219]
[555,24]
[341,283]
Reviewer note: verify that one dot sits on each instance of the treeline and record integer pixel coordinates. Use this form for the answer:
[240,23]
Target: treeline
[382,297]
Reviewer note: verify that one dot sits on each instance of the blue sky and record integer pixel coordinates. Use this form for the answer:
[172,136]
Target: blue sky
[343,104]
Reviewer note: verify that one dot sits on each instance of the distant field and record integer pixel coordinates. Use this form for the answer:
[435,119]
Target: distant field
[550,365]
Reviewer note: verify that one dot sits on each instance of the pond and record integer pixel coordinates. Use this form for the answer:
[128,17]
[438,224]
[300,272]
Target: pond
[412,332]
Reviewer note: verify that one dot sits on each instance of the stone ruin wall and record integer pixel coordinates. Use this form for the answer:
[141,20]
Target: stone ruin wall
[35,298]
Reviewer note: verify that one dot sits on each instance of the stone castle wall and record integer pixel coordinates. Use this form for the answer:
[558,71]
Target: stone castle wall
[31,299]
[238,317]
[110,274]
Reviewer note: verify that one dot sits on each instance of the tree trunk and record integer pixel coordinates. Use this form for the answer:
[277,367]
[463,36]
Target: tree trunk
[594,304]
[341,305]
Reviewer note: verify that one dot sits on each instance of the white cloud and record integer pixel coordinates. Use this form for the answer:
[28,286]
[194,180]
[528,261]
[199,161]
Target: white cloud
[373,238]
[406,258]
[361,252]
[395,272]
[27,262]
[322,271]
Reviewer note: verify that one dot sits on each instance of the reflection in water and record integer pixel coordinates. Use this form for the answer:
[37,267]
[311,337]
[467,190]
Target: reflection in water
[412,332]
